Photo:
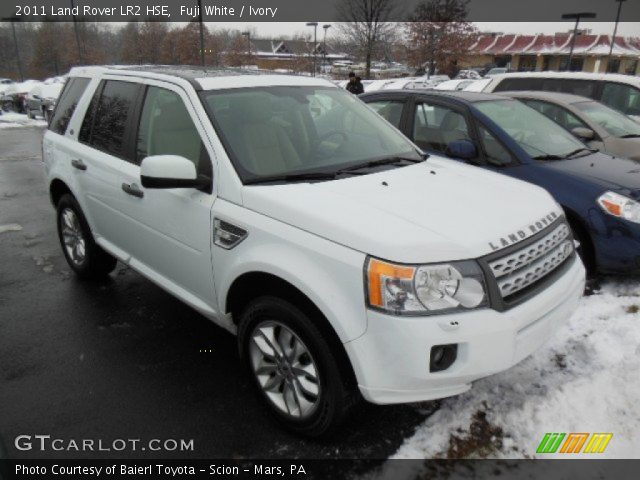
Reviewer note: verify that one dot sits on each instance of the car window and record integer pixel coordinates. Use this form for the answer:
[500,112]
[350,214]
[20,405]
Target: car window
[166,128]
[112,116]
[539,136]
[583,88]
[435,126]
[69,98]
[495,152]
[390,110]
[558,114]
[284,130]
[518,84]
[624,98]
[614,122]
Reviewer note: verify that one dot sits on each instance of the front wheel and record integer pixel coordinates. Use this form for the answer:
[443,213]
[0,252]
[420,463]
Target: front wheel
[294,367]
[80,250]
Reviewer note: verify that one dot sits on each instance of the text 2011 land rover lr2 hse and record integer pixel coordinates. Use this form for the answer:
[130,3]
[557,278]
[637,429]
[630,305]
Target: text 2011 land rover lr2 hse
[287,211]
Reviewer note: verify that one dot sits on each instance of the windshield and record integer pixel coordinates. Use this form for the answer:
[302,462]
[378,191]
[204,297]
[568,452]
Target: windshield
[293,130]
[537,135]
[615,123]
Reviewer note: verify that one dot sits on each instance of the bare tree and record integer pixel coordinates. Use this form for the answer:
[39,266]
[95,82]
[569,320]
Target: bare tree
[367,26]
[438,34]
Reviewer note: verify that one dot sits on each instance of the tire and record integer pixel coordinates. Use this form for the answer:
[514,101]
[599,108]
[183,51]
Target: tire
[307,352]
[30,115]
[585,250]
[83,255]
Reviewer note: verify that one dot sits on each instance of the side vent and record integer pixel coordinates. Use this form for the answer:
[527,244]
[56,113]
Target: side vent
[226,235]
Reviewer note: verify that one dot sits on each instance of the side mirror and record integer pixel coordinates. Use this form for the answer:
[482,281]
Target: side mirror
[583,133]
[169,171]
[462,149]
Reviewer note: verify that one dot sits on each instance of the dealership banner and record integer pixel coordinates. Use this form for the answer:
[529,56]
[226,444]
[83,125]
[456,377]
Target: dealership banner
[316,469]
[296,10]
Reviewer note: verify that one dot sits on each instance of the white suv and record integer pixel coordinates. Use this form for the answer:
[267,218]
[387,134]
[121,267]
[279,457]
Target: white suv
[287,211]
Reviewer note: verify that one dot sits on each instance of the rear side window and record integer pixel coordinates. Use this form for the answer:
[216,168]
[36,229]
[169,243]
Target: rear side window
[435,126]
[624,98]
[112,115]
[518,84]
[69,97]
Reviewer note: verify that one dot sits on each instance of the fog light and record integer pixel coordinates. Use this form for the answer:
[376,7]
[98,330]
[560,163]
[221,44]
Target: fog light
[442,357]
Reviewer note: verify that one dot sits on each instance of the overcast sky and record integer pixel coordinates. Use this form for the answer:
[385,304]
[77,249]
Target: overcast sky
[279,29]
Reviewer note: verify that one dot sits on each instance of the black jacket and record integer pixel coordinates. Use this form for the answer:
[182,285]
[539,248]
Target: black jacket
[355,87]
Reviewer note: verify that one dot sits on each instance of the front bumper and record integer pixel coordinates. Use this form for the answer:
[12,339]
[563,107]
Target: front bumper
[391,360]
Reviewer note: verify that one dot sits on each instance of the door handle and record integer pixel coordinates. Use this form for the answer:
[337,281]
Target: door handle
[132,189]
[79,164]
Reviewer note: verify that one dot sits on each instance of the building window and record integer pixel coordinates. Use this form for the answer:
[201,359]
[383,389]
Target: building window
[613,66]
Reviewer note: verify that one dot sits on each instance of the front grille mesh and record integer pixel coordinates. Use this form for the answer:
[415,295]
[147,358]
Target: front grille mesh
[516,271]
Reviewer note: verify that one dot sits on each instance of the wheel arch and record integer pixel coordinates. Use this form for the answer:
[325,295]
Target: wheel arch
[58,188]
[578,224]
[254,284]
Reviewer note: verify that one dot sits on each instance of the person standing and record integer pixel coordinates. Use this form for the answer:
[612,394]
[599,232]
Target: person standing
[354,85]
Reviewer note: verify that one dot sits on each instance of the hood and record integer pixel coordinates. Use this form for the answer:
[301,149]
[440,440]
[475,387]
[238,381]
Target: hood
[624,147]
[614,173]
[438,210]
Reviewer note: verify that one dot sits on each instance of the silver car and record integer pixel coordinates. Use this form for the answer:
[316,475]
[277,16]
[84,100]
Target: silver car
[596,124]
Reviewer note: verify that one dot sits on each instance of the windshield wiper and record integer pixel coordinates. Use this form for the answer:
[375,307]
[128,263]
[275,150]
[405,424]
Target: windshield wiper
[630,135]
[293,177]
[578,150]
[548,156]
[381,161]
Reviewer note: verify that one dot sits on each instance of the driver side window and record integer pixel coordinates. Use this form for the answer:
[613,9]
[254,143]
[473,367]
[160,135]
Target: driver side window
[561,116]
[435,126]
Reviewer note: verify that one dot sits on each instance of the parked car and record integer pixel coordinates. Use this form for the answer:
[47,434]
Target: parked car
[468,74]
[496,71]
[41,100]
[13,97]
[620,92]
[288,212]
[456,84]
[599,194]
[409,83]
[596,124]
[5,81]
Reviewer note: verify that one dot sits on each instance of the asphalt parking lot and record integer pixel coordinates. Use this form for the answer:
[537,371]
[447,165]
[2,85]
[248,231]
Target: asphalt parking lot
[122,358]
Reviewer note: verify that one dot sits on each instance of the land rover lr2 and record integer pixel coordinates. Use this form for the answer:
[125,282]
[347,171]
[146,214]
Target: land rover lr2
[288,212]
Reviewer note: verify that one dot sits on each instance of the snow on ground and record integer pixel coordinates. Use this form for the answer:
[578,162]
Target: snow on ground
[586,379]
[12,119]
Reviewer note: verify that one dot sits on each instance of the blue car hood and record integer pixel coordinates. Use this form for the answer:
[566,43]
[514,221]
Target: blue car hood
[620,174]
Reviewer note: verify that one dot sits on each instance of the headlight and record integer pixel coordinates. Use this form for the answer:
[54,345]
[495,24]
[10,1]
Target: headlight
[620,206]
[424,289]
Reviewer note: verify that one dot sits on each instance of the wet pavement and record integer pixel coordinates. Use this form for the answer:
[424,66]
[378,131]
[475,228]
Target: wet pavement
[121,359]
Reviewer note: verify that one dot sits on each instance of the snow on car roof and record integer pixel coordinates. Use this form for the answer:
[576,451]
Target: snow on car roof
[203,78]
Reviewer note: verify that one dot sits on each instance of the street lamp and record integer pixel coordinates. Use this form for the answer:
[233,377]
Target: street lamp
[13,21]
[75,29]
[576,17]
[201,32]
[248,35]
[315,43]
[324,43]
[615,31]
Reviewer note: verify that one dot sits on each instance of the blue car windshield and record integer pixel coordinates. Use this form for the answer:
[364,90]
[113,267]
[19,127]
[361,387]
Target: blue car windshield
[539,136]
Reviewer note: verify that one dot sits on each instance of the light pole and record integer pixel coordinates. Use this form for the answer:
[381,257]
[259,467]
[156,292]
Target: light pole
[326,27]
[315,43]
[201,32]
[615,31]
[248,35]
[13,21]
[576,17]
[75,29]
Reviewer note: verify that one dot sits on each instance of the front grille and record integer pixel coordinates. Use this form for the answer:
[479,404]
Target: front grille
[518,270]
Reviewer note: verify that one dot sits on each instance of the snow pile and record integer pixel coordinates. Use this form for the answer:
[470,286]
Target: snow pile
[586,379]
[12,119]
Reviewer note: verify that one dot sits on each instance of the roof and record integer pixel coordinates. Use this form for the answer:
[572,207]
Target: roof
[612,77]
[555,97]
[203,78]
[462,96]
[556,44]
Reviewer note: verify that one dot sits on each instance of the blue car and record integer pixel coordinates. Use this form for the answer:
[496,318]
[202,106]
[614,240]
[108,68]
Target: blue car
[599,193]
